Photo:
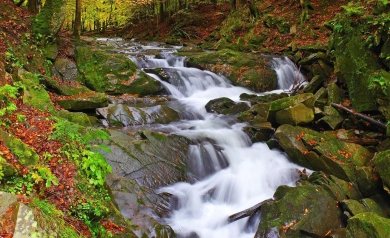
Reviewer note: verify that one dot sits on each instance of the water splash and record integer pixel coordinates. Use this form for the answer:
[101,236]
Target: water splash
[287,72]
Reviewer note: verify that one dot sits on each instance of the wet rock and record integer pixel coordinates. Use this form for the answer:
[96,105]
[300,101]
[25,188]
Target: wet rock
[64,89]
[353,207]
[367,180]
[295,115]
[382,166]
[225,106]
[314,84]
[368,225]
[152,159]
[243,69]
[335,94]
[336,188]
[307,99]
[121,114]
[320,152]
[65,69]
[332,117]
[83,101]
[114,73]
[295,214]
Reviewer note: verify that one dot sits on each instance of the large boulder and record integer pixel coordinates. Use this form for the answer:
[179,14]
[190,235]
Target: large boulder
[126,116]
[65,69]
[113,73]
[292,110]
[83,101]
[299,211]
[252,71]
[49,21]
[321,152]
[368,225]
[226,106]
[382,166]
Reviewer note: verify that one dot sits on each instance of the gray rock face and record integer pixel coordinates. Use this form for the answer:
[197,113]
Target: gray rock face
[65,69]
[121,114]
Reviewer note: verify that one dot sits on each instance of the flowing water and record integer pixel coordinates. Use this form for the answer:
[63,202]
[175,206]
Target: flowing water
[229,173]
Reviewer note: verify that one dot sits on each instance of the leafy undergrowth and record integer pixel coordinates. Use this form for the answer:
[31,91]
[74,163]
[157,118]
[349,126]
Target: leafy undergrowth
[51,164]
[69,174]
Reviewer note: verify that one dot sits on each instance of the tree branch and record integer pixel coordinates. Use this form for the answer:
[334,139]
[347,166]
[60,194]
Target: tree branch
[247,212]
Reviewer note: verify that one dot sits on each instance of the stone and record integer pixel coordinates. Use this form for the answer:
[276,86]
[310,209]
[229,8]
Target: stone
[297,211]
[353,207]
[368,225]
[382,166]
[372,206]
[51,51]
[25,154]
[320,152]
[295,115]
[367,180]
[314,84]
[83,101]
[332,117]
[335,94]
[65,69]
[6,200]
[126,116]
[225,106]
[113,73]
[242,69]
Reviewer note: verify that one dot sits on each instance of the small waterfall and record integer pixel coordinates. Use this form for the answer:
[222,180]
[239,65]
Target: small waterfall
[229,173]
[287,72]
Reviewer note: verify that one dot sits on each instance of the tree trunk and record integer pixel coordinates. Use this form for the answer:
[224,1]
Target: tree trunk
[33,6]
[77,19]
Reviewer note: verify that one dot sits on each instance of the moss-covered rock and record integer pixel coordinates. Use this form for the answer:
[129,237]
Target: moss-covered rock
[243,69]
[64,89]
[113,73]
[321,152]
[65,69]
[123,115]
[332,117]
[225,106]
[49,20]
[306,209]
[25,154]
[295,115]
[382,166]
[368,225]
[83,101]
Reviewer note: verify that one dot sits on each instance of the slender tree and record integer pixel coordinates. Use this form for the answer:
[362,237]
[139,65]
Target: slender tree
[77,19]
[33,6]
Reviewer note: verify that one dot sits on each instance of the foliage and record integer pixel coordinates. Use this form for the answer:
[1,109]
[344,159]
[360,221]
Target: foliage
[354,9]
[78,146]
[52,219]
[379,84]
[6,92]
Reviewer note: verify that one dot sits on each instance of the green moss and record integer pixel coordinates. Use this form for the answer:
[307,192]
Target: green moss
[368,225]
[43,24]
[24,153]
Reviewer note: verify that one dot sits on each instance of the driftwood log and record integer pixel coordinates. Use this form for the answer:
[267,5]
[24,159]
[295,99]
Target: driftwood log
[371,120]
[247,212]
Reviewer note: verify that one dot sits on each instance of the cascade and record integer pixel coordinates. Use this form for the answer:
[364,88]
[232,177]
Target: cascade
[229,173]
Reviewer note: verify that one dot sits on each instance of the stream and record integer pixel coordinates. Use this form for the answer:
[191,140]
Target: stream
[229,173]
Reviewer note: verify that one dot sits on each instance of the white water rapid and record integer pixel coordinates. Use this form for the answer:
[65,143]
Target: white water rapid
[230,173]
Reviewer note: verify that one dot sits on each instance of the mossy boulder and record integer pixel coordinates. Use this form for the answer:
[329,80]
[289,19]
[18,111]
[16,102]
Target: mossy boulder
[65,69]
[50,51]
[382,166]
[113,73]
[83,101]
[252,71]
[321,152]
[354,63]
[25,154]
[297,211]
[332,117]
[64,89]
[126,116]
[296,115]
[368,225]
[50,19]
[306,99]
[225,106]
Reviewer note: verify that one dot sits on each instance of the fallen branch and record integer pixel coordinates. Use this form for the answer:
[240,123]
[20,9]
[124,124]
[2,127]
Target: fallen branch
[361,116]
[247,212]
